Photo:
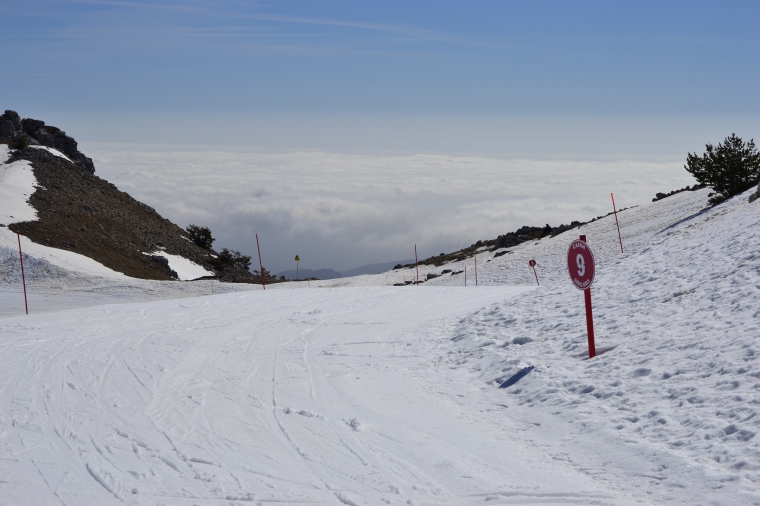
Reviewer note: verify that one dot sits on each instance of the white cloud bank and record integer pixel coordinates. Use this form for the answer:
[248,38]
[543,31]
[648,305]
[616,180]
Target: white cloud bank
[345,210]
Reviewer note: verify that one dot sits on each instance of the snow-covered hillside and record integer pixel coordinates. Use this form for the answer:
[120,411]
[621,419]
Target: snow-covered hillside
[377,394]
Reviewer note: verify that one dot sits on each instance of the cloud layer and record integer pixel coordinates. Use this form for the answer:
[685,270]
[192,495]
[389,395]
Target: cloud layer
[344,210]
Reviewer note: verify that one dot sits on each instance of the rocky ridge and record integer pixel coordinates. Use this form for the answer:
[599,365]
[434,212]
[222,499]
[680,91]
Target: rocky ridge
[20,133]
[80,212]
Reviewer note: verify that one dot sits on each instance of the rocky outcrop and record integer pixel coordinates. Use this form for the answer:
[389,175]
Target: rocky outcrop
[755,195]
[82,213]
[21,133]
[660,196]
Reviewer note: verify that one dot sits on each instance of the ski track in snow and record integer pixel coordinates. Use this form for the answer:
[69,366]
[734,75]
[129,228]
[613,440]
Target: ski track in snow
[389,395]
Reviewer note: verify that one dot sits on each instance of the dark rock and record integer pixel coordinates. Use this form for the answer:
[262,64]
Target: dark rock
[432,275]
[660,196]
[755,195]
[30,126]
[13,117]
[501,253]
[25,132]
[7,130]
[162,260]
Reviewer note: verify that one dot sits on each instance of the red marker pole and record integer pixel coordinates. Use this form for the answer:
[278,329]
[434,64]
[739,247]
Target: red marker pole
[23,278]
[476,271]
[260,264]
[617,222]
[532,263]
[416,266]
[589,318]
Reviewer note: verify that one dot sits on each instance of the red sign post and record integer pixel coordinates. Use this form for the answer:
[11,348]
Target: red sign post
[261,266]
[614,209]
[580,265]
[23,278]
[532,263]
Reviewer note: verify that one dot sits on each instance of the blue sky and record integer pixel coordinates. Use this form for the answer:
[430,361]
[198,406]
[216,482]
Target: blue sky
[370,85]
[421,58]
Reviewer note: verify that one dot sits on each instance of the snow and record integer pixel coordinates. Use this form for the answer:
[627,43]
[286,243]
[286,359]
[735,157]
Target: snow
[53,151]
[17,183]
[187,270]
[357,393]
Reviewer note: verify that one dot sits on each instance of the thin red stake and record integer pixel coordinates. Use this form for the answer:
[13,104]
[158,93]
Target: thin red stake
[534,273]
[23,278]
[589,318]
[617,222]
[261,266]
[476,271]
[416,266]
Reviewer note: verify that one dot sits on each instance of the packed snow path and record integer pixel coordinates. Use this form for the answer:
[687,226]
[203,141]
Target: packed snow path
[299,397]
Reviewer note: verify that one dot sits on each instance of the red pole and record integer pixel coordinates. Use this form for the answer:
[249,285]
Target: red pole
[260,264]
[416,266]
[534,273]
[589,318]
[23,278]
[476,270]
[617,222]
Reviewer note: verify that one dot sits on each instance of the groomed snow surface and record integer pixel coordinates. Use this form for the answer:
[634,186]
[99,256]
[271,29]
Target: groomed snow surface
[389,395]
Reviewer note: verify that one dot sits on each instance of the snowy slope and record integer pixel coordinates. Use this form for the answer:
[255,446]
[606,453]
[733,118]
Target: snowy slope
[17,183]
[48,270]
[186,270]
[373,395]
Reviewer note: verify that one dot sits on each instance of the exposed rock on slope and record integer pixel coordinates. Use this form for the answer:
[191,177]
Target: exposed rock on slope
[82,213]
[30,132]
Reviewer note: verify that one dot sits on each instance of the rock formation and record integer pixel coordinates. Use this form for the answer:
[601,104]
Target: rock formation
[25,132]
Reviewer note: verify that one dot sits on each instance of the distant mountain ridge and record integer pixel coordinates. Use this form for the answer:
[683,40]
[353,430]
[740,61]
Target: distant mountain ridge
[373,268]
[309,273]
[331,274]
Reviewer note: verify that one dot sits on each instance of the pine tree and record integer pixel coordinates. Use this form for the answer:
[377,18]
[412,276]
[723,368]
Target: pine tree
[730,168]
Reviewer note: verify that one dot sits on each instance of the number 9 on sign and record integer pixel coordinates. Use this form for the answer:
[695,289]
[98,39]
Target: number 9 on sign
[581,263]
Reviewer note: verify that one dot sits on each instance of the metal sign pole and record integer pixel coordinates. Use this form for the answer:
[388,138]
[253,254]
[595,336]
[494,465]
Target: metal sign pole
[416,265]
[589,318]
[23,277]
[617,222]
[532,263]
[261,266]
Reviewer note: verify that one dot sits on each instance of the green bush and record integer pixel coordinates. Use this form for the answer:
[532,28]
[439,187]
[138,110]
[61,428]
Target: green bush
[200,236]
[231,259]
[729,168]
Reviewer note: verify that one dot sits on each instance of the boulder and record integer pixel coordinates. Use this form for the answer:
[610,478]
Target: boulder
[26,132]
[755,195]
[31,126]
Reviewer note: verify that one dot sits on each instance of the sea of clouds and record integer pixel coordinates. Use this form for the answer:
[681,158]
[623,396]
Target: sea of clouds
[344,210]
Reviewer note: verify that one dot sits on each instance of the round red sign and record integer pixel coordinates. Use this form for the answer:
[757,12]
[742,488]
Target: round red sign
[580,265]
[532,263]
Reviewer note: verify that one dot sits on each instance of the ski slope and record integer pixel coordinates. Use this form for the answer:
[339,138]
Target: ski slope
[372,394]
